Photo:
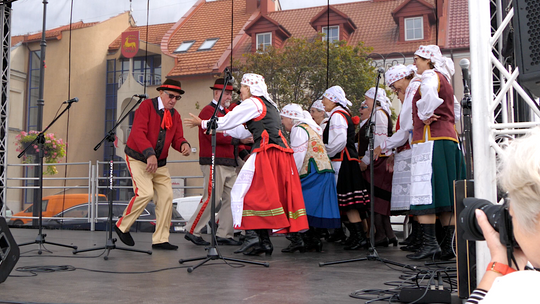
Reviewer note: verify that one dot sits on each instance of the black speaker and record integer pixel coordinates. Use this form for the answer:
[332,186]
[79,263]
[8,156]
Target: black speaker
[9,251]
[527,43]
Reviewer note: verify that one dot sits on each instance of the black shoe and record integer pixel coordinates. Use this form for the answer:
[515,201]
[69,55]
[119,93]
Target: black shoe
[382,243]
[125,237]
[296,243]
[429,247]
[164,246]
[228,241]
[197,240]
[251,239]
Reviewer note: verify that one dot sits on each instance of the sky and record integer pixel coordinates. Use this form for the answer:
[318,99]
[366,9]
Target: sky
[27,15]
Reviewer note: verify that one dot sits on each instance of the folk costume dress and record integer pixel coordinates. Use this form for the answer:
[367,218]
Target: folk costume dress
[267,193]
[338,137]
[383,128]
[437,160]
[315,168]
[401,140]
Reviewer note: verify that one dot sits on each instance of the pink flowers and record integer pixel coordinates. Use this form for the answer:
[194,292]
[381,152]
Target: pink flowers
[53,148]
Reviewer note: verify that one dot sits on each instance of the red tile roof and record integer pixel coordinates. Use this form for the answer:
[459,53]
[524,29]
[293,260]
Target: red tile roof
[155,34]
[458,24]
[375,27]
[209,20]
[55,33]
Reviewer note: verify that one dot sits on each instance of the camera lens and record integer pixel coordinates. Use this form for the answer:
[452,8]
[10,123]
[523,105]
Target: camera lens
[467,217]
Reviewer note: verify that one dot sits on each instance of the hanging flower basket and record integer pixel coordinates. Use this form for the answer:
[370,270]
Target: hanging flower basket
[53,148]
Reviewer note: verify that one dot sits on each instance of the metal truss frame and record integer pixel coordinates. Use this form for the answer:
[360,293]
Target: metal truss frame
[492,99]
[5,32]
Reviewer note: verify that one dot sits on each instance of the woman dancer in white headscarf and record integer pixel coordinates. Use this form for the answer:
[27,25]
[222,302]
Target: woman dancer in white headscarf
[436,158]
[267,193]
[338,137]
[384,234]
[318,113]
[316,176]
[403,81]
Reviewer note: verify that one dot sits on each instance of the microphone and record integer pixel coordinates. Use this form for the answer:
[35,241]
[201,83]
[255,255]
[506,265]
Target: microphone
[380,70]
[72,100]
[229,75]
[464,64]
[141,96]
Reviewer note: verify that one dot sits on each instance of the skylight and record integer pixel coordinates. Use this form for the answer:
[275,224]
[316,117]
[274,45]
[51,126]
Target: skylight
[184,46]
[208,44]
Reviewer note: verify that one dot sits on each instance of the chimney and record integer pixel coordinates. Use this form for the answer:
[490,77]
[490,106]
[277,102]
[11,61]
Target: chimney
[251,6]
[268,6]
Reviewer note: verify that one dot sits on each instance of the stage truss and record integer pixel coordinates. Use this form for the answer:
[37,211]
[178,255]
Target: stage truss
[5,12]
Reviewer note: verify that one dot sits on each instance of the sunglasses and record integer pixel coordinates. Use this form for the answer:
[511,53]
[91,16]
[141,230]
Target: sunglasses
[363,107]
[171,96]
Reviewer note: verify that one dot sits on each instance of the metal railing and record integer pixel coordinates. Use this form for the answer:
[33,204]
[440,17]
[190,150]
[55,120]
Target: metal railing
[96,182]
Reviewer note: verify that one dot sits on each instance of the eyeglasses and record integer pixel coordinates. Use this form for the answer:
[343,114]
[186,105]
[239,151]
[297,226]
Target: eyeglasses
[171,96]
[393,88]
[363,107]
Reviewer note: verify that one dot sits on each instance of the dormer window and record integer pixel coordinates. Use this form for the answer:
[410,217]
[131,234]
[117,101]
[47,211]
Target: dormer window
[414,28]
[208,44]
[184,47]
[264,40]
[331,33]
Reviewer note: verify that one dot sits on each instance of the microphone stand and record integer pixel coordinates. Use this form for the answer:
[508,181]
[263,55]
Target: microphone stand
[110,244]
[213,252]
[466,104]
[40,139]
[374,255]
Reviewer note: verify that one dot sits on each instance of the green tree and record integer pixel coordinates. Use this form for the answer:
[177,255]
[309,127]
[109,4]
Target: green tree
[297,73]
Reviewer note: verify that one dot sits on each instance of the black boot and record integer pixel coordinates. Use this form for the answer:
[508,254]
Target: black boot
[412,237]
[416,242]
[264,246]
[347,241]
[296,243]
[251,239]
[447,251]
[429,247]
[337,236]
[359,237]
[312,240]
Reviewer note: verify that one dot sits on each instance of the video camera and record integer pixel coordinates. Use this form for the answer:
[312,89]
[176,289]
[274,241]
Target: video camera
[497,215]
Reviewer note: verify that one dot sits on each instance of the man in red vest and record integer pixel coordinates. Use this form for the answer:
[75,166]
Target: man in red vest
[156,127]
[225,167]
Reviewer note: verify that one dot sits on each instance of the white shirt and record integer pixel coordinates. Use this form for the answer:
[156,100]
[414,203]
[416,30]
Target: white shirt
[299,144]
[516,287]
[337,135]
[403,135]
[380,134]
[232,122]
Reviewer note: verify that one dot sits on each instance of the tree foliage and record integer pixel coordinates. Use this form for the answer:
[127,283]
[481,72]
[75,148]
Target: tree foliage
[297,73]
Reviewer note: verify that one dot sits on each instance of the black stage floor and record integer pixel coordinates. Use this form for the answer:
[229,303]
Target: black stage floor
[291,278]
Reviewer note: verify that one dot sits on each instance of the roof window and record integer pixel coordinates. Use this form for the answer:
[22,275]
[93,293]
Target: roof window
[208,44]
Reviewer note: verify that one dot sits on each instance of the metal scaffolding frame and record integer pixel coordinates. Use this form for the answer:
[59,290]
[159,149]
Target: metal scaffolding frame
[5,32]
[492,98]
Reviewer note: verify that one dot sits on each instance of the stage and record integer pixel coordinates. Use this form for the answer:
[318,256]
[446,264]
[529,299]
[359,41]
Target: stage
[291,278]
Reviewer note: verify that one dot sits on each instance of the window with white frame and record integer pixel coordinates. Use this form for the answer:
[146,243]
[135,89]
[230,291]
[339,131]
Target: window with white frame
[208,44]
[264,40]
[184,47]
[414,28]
[331,33]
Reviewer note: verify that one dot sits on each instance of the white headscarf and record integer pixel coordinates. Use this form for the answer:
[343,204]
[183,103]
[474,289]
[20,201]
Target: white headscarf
[381,97]
[295,112]
[257,86]
[442,64]
[396,73]
[337,95]
[318,105]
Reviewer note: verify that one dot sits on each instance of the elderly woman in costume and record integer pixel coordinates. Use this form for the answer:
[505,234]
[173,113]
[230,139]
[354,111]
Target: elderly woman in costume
[402,80]
[437,159]
[316,176]
[383,178]
[505,282]
[318,113]
[338,137]
[267,193]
